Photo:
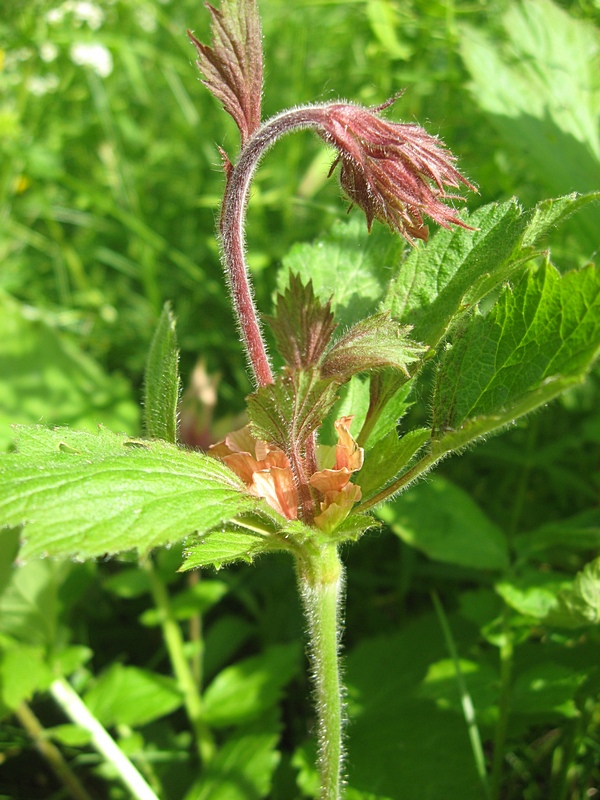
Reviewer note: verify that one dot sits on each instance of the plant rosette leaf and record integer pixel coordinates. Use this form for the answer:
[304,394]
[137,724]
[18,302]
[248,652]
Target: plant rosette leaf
[84,495]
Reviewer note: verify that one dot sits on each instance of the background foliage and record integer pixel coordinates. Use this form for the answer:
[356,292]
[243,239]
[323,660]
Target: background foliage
[109,190]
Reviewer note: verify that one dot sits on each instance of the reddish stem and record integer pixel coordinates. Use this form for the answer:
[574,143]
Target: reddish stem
[233,220]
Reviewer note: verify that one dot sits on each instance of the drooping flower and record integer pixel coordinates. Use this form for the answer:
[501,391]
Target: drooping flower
[396,172]
[267,473]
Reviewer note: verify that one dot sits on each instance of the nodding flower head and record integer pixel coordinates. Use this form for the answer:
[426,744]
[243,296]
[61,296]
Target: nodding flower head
[396,172]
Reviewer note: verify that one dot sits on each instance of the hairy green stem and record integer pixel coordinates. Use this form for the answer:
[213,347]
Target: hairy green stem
[74,707]
[321,583]
[181,667]
[51,753]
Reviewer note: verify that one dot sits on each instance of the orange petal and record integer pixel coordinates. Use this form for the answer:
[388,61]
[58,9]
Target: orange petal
[330,480]
[241,441]
[277,487]
[243,465]
[336,507]
[348,453]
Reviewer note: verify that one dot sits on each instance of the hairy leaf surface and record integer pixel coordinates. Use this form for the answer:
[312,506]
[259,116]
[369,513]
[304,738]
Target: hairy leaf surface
[375,342]
[86,495]
[537,341]
[459,267]
[233,66]
[289,410]
[348,265]
[161,381]
[302,324]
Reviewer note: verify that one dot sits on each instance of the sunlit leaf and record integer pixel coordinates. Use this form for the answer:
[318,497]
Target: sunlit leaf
[87,495]
[348,265]
[161,381]
[538,340]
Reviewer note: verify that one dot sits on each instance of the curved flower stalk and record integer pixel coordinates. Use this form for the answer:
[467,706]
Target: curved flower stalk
[395,172]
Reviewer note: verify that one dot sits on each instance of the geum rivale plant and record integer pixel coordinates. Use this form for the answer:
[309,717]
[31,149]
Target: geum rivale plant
[499,329]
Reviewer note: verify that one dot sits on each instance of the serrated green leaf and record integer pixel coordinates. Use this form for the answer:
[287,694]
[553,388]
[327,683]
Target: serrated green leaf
[549,213]
[126,695]
[223,547]
[302,325]
[537,341]
[347,265]
[373,343]
[385,460]
[443,522]
[432,284]
[290,409]
[161,381]
[86,495]
[245,690]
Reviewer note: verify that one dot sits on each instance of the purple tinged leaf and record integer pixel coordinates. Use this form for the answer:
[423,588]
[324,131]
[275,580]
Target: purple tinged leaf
[376,342]
[233,66]
[302,325]
[286,412]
